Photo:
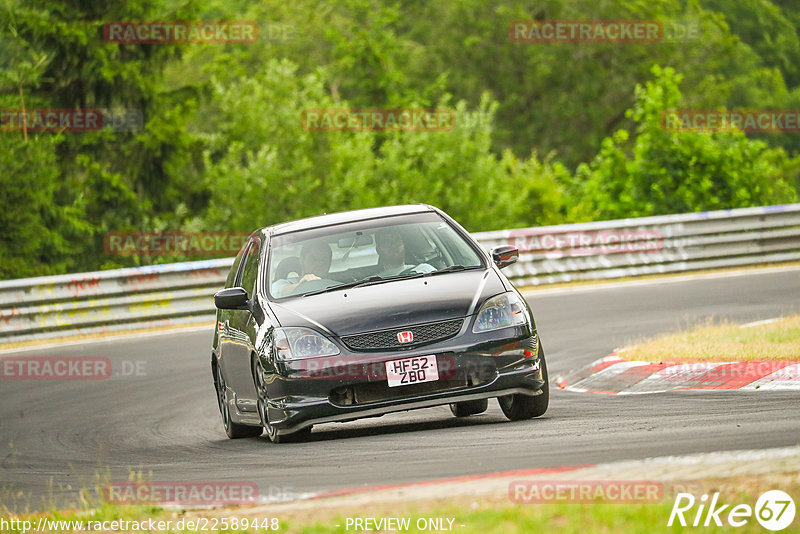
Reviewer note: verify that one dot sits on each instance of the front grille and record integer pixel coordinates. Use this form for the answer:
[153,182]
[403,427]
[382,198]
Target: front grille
[387,339]
[469,372]
[380,391]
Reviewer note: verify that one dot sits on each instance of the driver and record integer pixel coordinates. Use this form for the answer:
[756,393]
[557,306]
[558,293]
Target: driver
[392,255]
[315,262]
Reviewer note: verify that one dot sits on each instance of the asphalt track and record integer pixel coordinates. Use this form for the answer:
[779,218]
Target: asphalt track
[59,436]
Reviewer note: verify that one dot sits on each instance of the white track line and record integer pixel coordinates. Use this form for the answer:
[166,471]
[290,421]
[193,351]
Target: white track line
[111,337]
[656,281]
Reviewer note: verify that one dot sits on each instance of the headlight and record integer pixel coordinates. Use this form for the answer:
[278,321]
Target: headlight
[301,343]
[501,311]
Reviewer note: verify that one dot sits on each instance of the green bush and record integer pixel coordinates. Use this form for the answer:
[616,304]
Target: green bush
[660,172]
[263,167]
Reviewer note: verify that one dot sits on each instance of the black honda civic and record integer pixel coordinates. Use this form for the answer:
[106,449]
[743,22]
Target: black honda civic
[367,312]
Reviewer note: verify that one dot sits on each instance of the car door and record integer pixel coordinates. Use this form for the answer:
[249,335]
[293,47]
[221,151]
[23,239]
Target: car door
[236,328]
[241,331]
[222,335]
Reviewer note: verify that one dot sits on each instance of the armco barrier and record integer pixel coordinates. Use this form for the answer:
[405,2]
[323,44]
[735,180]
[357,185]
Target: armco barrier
[667,244]
[103,301]
[180,293]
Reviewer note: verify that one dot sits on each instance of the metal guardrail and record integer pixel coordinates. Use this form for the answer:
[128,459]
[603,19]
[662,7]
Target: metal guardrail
[106,301]
[180,293]
[651,245]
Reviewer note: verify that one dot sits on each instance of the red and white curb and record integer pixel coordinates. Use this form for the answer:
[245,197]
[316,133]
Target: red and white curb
[617,376]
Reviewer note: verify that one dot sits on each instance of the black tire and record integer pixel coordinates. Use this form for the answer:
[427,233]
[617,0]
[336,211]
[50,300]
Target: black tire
[467,408]
[272,434]
[294,437]
[519,407]
[232,430]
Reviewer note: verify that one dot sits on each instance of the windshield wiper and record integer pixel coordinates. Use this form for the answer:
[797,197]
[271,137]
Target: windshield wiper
[370,280]
[377,279]
[450,269]
[380,279]
[345,285]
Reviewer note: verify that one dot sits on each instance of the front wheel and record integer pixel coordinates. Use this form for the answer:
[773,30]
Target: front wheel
[518,407]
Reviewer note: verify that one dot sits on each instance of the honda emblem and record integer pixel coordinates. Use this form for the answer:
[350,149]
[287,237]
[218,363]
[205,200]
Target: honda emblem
[405,337]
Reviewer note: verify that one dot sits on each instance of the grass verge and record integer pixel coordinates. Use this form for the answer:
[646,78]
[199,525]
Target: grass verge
[491,513]
[777,340]
[495,514]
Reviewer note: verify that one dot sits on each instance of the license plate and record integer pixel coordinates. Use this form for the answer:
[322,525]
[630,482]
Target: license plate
[412,371]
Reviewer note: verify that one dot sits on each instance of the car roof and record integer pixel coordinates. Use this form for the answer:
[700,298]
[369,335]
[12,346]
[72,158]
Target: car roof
[333,219]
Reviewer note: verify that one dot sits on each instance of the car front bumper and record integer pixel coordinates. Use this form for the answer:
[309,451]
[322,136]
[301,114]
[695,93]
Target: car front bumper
[354,386]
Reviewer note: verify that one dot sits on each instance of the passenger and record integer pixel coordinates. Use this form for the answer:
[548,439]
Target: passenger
[392,255]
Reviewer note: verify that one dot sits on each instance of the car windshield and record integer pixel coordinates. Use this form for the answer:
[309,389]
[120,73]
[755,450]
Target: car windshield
[366,252]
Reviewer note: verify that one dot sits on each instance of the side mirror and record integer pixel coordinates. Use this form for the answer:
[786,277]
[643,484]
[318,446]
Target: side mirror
[504,256]
[232,298]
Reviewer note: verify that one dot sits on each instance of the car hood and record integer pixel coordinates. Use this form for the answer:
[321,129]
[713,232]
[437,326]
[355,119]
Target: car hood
[392,304]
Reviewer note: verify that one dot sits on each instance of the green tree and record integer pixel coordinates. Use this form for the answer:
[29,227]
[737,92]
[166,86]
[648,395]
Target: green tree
[459,172]
[661,172]
[266,168]
[124,179]
[770,30]
[263,166]
[39,232]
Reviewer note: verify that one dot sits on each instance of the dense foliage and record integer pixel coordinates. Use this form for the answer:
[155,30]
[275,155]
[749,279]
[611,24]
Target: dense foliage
[544,133]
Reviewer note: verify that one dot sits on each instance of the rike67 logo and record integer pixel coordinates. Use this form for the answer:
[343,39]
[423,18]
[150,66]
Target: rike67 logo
[774,510]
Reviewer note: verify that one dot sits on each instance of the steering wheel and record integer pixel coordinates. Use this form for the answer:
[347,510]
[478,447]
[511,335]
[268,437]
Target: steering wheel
[433,258]
[298,288]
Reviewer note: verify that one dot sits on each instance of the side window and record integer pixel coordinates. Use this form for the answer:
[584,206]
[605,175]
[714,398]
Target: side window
[231,280]
[250,270]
